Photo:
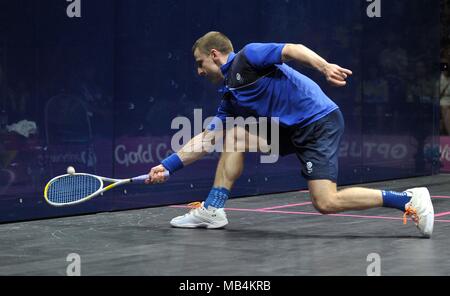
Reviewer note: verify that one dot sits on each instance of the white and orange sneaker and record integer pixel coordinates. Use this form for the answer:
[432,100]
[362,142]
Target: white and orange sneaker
[420,209]
[200,217]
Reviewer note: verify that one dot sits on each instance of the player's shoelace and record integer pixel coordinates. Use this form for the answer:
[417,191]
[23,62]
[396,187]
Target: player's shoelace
[194,205]
[410,211]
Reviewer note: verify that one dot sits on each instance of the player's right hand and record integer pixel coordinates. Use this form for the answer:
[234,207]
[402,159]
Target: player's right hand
[156,175]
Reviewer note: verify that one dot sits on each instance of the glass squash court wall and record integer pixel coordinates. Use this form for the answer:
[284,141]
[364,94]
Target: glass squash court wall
[100,91]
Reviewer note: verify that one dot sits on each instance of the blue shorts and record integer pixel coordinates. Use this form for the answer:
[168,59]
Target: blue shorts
[316,146]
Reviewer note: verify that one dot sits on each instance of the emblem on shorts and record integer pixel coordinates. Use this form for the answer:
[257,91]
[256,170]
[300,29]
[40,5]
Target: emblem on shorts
[238,77]
[309,167]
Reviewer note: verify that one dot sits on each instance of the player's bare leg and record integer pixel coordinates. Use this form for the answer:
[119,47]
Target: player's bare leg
[415,202]
[229,169]
[231,162]
[327,199]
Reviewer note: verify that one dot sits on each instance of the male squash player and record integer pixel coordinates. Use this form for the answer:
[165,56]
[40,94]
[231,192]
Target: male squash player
[256,82]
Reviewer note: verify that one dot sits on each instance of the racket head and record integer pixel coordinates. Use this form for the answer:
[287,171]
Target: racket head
[70,189]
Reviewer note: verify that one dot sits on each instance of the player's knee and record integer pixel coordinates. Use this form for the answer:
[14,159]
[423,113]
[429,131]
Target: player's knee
[325,204]
[235,140]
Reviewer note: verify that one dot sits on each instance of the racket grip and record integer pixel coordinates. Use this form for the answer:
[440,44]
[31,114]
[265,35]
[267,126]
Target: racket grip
[142,178]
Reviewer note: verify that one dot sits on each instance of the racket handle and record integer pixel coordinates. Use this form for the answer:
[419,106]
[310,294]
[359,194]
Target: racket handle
[142,178]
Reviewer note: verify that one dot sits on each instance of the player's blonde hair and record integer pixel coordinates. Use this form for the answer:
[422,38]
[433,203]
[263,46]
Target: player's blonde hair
[213,40]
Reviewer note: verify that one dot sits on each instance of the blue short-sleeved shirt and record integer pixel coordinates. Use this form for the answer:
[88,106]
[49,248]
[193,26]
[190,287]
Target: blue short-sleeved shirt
[257,83]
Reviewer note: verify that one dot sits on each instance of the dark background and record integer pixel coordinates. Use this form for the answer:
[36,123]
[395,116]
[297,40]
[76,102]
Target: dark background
[103,89]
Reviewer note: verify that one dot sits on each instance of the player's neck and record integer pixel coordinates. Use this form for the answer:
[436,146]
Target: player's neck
[223,59]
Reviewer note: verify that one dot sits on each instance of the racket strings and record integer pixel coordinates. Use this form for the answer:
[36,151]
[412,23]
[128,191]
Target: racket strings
[72,188]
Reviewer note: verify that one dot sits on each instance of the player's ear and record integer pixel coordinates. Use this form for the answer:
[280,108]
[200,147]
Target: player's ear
[214,53]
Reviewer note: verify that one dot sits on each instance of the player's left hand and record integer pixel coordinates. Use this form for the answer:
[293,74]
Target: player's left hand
[336,75]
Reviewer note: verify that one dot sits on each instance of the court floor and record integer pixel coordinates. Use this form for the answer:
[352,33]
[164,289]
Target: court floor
[274,235]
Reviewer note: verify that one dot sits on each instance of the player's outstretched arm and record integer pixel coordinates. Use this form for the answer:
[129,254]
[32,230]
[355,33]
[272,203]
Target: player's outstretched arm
[194,150]
[334,74]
